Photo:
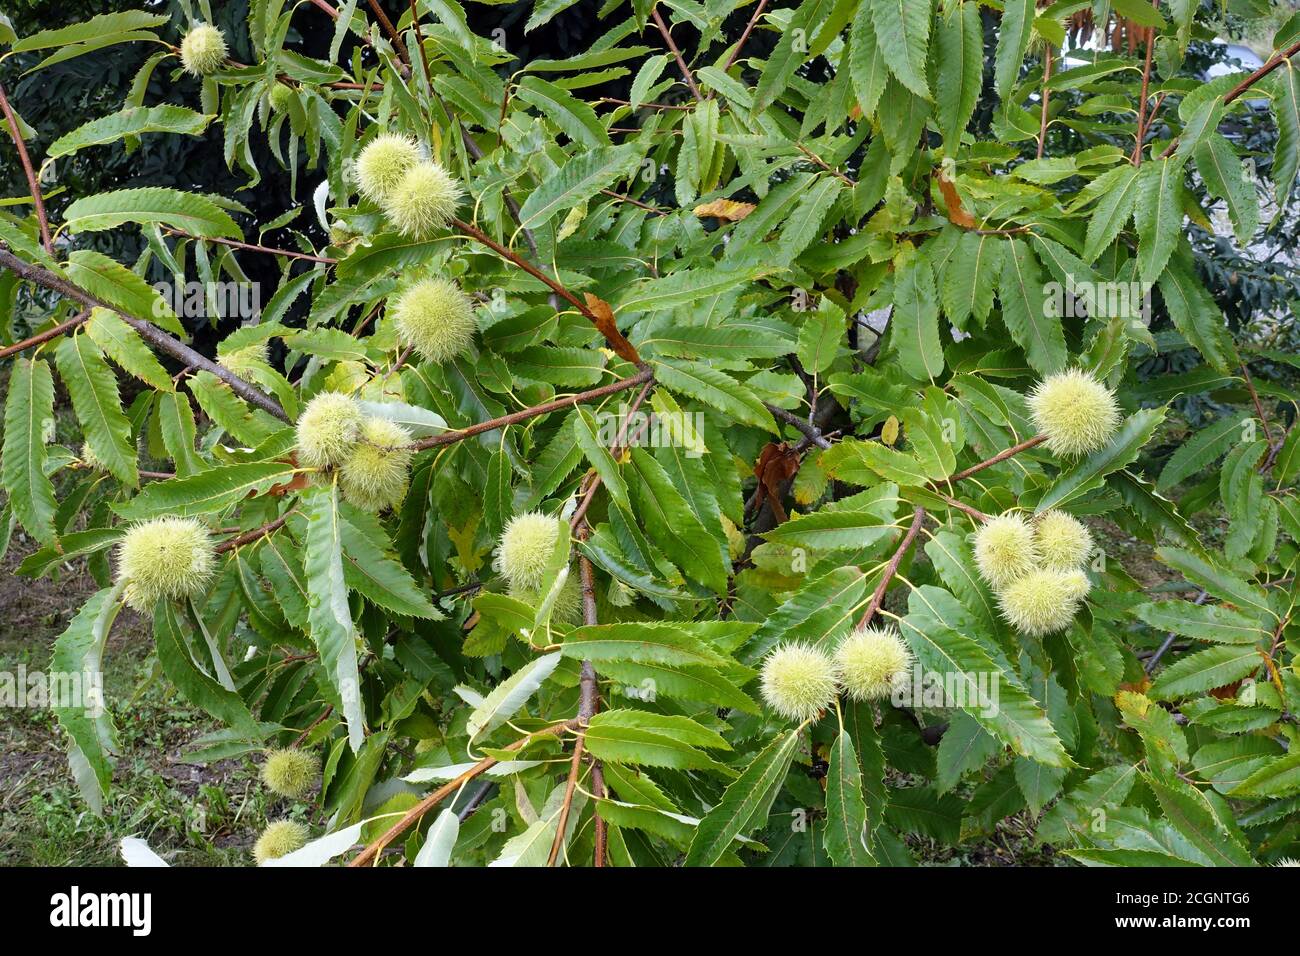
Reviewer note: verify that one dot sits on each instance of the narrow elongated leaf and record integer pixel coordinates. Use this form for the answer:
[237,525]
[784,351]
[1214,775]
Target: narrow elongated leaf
[1157,215]
[171,207]
[715,388]
[902,30]
[1226,179]
[131,121]
[79,652]
[867,66]
[370,567]
[1205,622]
[746,802]
[578,180]
[1021,291]
[328,615]
[121,288]
[672,525]
[206,492]
[1017,719]
[93,388]
[959,70]
[1113,210]
[1013,43]
[1205,670]
[1123,449]
[915,322]
[1195,313]
[197,687]
[511,694]
[846,811]
[124,346]
[29,423]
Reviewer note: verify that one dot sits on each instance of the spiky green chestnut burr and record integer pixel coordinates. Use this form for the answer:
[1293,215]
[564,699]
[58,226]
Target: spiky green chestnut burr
[327,429]
[436,318]
[290,773]
[873,661]
[798,681]
[525,548]
[280,839]
[375,475]
[203,50]
[164,558]
[383,162]
[1077,413]
[1005,549]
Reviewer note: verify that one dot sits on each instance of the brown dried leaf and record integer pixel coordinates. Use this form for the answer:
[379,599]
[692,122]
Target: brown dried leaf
[727,209]
[603,316]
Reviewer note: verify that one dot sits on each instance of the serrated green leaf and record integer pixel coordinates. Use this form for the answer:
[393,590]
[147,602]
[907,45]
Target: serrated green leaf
[29,421]
[93,388]
[1088,473]
[189,212]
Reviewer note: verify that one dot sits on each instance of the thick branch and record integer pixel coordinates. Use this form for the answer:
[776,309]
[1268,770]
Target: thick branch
[153,335]
[810,431]
[32,183]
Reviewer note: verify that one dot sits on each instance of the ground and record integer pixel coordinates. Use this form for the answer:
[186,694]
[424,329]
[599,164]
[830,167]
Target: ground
[193,815]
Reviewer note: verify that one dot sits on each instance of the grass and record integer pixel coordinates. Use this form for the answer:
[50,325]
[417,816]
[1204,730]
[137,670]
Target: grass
[192,815]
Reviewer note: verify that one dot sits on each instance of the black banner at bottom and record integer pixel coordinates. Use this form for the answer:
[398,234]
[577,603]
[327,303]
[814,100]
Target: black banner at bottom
[305,906]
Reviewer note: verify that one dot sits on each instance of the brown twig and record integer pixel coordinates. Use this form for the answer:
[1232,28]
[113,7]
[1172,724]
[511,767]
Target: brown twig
[391,30]
[152,335]
[1141,132]
[809,430]
[677,54]
[818,161]
[635,202]
[334,14]
[255,535]
[45,336]
[878,598]
[235,244]
[313,725]
[1000,456]
[644,106]
[372,851]
[605,326]
[419,42]
[1245,85]
[744,36]
[646,375]
[1262,72]
[960,505]
[1259,407]
[577,522]
[588,702]
[32,183]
